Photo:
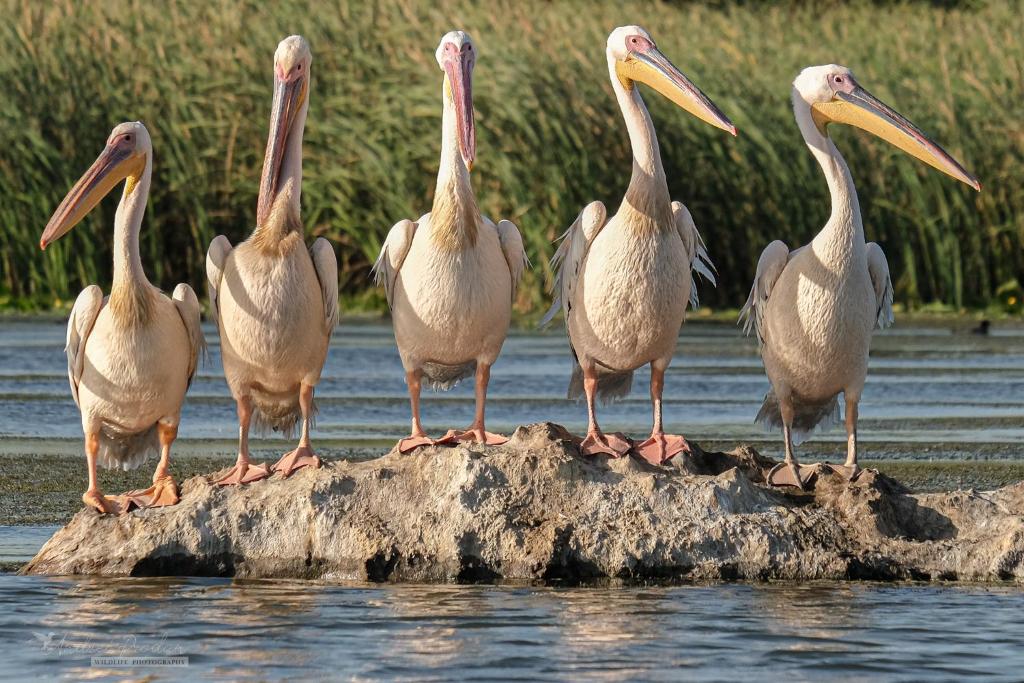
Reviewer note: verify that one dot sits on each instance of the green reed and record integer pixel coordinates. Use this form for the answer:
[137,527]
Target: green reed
[550,137]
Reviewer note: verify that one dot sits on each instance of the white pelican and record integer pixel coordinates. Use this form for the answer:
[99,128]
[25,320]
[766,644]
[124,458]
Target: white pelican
[132,355]
[814,308]
[276,301]
[451,277]
[625,281]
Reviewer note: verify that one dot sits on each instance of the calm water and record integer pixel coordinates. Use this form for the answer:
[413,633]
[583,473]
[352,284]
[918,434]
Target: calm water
[928,385]
[932,393]
[234,630]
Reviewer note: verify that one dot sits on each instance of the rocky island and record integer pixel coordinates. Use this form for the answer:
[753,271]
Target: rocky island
[535,510]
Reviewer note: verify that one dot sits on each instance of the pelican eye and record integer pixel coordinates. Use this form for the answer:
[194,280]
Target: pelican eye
[838,79]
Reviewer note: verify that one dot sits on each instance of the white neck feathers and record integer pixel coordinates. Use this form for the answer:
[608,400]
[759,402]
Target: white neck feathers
[646,200]
[454,217]
[843,234]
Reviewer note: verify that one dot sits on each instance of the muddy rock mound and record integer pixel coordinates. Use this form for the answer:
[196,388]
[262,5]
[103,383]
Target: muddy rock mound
[534,509]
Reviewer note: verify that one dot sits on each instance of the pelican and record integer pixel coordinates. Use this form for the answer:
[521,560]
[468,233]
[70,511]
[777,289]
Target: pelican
[132,355]
[276,302]
[814,308]
[625,281]
[451,276]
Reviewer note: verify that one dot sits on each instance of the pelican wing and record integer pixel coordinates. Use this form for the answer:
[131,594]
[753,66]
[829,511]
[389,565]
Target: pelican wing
[568,259]
[187,303]
[769,267]
[878,268]
[515,254]
[392,256]
[83,317]
[700,262]
[326,265]
[216,257]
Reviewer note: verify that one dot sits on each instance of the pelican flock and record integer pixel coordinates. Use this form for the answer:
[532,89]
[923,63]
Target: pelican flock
[814,308]
[624,282]
[132,355]
[275,301]
[451,276]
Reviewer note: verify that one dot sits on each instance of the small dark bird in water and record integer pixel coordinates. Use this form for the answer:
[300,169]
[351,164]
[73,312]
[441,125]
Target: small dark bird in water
[982,327]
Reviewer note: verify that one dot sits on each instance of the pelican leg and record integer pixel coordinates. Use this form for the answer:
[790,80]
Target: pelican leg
[661,447]
[851,469]
[243,472]
[476,432]
[417,437]
[596,441]
[164,490]
[93,497]
[788,473]
[302,456]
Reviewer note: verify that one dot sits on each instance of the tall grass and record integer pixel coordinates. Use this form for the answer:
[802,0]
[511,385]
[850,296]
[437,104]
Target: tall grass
[550,137]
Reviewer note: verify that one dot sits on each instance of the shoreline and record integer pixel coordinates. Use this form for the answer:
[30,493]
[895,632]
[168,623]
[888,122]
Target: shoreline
[47,489]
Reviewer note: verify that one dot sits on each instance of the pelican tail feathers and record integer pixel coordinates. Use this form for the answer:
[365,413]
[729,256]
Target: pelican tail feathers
[611,386]
[807,415]
[445,377]
[278,414]
[122,451]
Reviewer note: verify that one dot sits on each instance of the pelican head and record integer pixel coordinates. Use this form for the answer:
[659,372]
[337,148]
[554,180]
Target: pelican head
[832,95]
[124,156]
[637,58]
[291,91]
[456,56]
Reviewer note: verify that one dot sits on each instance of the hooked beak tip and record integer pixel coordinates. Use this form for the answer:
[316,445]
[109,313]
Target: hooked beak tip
[42,245]
[732,129]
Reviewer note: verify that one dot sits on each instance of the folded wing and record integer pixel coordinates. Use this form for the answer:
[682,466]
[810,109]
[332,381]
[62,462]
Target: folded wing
[769,267]
[568,259]
[696,251]
[878,268]
[515,254]
[83,317]
[326,265]
[392,256]
[187,303]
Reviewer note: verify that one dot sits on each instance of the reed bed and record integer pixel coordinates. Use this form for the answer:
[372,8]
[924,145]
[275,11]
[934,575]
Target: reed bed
[549,134]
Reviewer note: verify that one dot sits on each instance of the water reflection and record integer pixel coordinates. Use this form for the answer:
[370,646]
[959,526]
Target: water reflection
[277,630]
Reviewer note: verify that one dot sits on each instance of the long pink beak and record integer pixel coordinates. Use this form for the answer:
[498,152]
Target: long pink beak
[288,94]
[460,76]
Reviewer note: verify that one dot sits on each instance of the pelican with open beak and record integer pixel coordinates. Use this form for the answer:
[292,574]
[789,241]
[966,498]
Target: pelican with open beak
[132,356]
[451,277]
[814,308]
[275,300]
[625,281]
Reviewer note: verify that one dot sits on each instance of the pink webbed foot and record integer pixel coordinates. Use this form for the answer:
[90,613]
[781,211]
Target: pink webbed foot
[473,435]
[105,505]
[850,472]
[162,493]
[302,456]
[797,476]
[614,445]
[661,448]
[414,441]
[243,474]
